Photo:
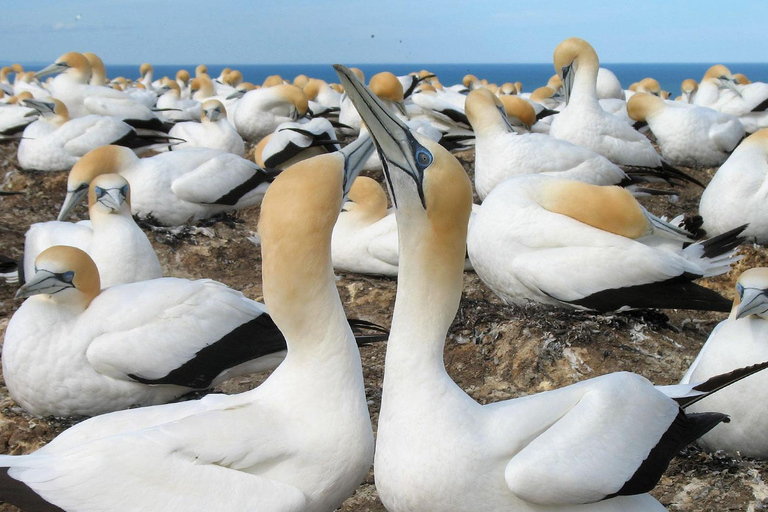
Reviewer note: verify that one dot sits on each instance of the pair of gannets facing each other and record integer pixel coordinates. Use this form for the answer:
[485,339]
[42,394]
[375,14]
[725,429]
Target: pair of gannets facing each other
[738,192]
[54,142]
[260,111]
[302,441]
[118,247]
[720,90]
[740,340]
[599,445]
[501,153]
[575,245]
[214,131]
[687,135]
[585,123]
[176,187]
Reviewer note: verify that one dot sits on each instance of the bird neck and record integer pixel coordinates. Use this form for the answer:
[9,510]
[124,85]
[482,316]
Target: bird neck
[585,83]
[429,286]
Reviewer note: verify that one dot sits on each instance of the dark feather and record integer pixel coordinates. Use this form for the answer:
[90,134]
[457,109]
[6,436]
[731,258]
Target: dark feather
[723,243]
[718,382]
[762,106]
[684,430]
[676,293]
[150,124]
[640,124]
[20,495]
[260,176]
[545,113]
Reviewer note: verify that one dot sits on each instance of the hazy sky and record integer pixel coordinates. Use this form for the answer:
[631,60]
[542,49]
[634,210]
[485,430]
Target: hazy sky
[397,31]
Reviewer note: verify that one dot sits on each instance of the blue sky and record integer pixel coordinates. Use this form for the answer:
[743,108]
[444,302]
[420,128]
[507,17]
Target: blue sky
[400,31]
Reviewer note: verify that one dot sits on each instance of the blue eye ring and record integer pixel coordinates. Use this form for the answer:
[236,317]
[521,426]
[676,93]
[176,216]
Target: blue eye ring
[99,191]
[67,277]
[423,157]
[740,289]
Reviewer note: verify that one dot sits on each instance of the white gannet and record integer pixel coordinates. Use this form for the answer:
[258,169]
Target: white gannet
[596,446]
[71,86]
[214,131]
[302,441]
[720,90]
[501,153]
[55,142]
[739,341]
[575,245]
[585,123]
[176,187]
[260,111]
[292,142]
[98,71]
[171,107]
[738,192]
[111,238]
[365,236]
[15,117]
[688,87]
[687,135]
[608,85]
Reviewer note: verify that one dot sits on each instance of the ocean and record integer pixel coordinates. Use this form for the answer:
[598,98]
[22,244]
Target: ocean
[531,75]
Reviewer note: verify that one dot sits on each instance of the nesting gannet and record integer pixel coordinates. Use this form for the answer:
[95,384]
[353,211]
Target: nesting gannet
[292,142]
[608,85]
[176,187]
[111,238]
[98,71]
[260,111]
[171,107]
[15,117]
[54,142]
[365,236]
[574,245]
[740,340]
[501,153]
[585,123]
[720,90]
[687,135]
[738,191]
[214,131]
[302,441]
[688,87]
[71,86]
[597,446]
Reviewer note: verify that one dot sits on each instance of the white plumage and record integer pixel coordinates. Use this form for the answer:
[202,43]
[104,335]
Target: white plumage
[214,131]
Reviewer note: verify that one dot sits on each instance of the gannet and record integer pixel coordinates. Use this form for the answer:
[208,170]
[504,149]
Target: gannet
[176,187]
[71,86]
[738,191]
[740,340]
[171,107]
[146,72]
[597,446]
[608,85]
[720,90]
[15,117]
[302,441]
[182,80]
[260,111]
[575,245]
[501,153]
[585,123]
[687,135]
[292,142]
[214,131]
[54,142]
[111,238]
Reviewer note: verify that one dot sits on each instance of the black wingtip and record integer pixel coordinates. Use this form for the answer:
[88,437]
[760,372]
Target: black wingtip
[724,242]
[718,382]
[359,327]
[22,496]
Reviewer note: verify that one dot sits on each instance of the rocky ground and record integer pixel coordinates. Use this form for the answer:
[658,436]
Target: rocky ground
[493,351]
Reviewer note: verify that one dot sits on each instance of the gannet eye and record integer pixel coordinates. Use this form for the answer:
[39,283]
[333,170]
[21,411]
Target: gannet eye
[423,157]
[99,191]
[740,290]
[67,277]
[124,191]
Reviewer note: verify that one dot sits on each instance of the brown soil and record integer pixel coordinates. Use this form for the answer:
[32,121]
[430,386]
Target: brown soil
[493,351]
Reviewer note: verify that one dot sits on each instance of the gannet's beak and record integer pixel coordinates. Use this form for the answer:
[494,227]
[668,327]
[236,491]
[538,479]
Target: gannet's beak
[46,282]
[53,69]
[43,107]
[727,83]
[753,302]
[237,94]
[163,89]
[568,77]
[397,147]
[112,198]
[355,155]
[213,113]
[70,201]
[506,120]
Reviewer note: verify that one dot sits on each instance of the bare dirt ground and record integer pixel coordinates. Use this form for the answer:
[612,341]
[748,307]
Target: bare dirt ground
[493,351]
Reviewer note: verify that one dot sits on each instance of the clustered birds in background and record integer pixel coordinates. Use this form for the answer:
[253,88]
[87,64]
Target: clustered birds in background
[557,173]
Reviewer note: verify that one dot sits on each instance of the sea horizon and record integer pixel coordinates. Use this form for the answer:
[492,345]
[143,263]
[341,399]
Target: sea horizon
[532,75]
